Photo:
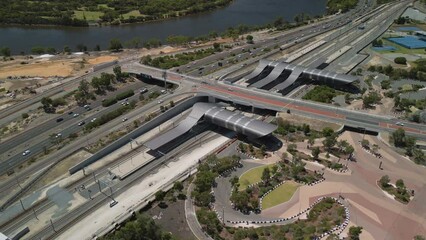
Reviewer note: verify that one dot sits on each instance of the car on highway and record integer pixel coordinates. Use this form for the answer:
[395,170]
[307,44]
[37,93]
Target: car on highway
[81,123]
[26,152]
[400,124]
[160,101]
[59,119]
[163,91]
[124,119]
[93,119]
[58,135]
[143,90]
[75,115]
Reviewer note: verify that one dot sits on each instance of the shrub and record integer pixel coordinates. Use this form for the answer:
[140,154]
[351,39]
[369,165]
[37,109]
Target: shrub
[108,102]
[25,115]
[124,95]
[400,60]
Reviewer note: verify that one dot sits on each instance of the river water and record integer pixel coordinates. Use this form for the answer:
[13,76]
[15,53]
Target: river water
[250,12]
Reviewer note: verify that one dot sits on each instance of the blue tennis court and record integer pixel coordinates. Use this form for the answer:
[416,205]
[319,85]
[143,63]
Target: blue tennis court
[384,48]
[408,42]
[409,29]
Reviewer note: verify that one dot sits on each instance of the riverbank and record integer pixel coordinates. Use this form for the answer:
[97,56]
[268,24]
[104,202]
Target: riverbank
[97,13]
[238,12]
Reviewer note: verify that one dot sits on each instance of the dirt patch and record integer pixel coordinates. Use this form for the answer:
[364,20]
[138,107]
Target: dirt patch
[172,219]
[39,69]
[315,124]
[60,171]
[102,59]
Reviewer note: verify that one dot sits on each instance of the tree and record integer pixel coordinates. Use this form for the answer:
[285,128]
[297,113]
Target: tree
[38,50]
[291,148]
[47,104]
[178,186]
[240,199]
[384,181]
[67,49]
[327,131]
[25,115]
[400,60]
[251,148]
[329,142]
[398,137]
[242,147]
[365,143]
[118,73]
[5,52]
[84,87]
[306,129]
[115,45]
[419,156]
[278,22]
[249,39]
[370,99]
[311,140]
[172,104]
[266,174]
[234,181]
[315,152]
[263,150]
[97,48]
[354,232]
[349,149]
[216,47]
[400,184]
[159,196]
[419,237]
[377,43]
[81,47]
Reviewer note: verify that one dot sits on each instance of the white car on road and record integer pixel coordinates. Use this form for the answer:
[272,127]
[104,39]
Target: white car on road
[26,152]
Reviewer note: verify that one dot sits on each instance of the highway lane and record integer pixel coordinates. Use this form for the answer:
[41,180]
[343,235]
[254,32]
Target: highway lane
[209,64]
[17,158]
[95,135]
[34,132]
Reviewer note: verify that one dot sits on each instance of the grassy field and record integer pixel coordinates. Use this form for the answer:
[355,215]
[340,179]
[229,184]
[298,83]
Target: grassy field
[252,176]
[90,16]
[281,194]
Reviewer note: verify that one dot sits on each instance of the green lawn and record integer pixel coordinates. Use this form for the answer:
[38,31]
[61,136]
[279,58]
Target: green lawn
[281,194]
[252,176]
[90,16]
[134,13]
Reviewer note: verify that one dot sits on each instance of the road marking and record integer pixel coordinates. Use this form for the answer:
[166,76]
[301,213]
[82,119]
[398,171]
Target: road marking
[275,102]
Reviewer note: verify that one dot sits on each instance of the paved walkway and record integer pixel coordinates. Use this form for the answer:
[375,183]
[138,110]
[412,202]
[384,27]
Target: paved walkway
[191,217]
[381,216]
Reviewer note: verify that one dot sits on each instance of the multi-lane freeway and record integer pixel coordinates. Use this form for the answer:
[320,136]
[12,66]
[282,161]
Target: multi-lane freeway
[234,93]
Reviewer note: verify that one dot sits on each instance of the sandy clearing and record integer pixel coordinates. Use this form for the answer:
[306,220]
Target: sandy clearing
[41,69]
[102,59]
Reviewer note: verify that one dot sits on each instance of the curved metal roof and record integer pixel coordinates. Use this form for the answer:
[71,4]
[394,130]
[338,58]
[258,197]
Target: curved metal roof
[215,114]
[236,121]
[314,74]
